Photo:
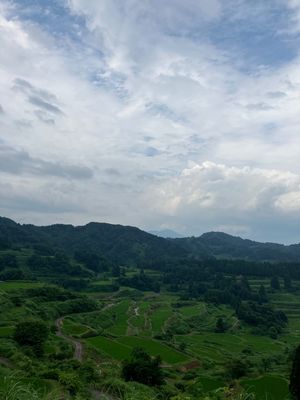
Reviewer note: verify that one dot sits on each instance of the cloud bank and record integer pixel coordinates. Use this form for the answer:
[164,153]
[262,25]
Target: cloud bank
[109,111]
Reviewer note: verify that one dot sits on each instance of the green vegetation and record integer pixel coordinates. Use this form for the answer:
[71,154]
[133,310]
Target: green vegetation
[270,386]
[73,310]
[143,368]
[110,347]
[33,334]
[295,374]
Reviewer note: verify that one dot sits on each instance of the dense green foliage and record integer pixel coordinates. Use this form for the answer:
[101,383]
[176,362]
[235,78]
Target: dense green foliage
[32,333]
[142,368]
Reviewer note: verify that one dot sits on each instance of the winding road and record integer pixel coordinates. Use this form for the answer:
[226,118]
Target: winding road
[78,348]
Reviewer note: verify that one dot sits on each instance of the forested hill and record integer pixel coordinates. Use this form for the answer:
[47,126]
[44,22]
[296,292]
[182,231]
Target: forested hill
[222,245]
[125,244]
[120,244]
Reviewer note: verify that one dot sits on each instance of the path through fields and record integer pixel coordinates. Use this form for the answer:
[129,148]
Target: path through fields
[78,348]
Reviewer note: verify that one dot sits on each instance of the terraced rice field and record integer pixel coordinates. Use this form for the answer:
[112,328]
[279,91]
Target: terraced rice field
[6,331]
[290,305]
[159,317]
[217,347]
[270,387]
[194,310]
[155,348]
[120,315]
[121,348]
[73,329]
[7,286]
[137,324]
[110,347]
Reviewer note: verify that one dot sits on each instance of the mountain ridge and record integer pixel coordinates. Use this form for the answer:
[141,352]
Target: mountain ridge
[131,244]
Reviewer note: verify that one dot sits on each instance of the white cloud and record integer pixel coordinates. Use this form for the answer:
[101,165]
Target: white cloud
[218,197]
[144,91]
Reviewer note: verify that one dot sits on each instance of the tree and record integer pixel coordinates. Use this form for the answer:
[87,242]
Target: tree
[287,283]
[116,271]
[32,333]
[142,368]
[182,346]
[295,375]
[237,368]
[220,326]
[262,294]
[273,332]
[275,284]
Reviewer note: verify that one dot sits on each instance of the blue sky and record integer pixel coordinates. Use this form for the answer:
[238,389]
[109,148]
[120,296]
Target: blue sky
[164,115]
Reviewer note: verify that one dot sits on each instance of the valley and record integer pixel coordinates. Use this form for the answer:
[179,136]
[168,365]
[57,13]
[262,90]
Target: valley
[215,325]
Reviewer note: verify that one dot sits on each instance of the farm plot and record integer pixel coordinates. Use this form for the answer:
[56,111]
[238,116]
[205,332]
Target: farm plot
[269,387]
[290,305]
[155,348]
[13,285]
[6,331]
[139,310]
[215,346]
[193,310]
[110,347]
[159,317]
[71,328]
[121,348]
[119,314]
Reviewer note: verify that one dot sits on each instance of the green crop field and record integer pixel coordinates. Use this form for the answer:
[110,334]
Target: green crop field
[267,387]
[110,347]
[6,331]
[191,311]
[73,329]
[159,317]
[154,348]
[208,384]
[120,317]
[13,285]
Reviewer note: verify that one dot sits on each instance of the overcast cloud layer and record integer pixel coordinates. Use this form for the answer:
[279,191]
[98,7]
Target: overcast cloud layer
[160,114]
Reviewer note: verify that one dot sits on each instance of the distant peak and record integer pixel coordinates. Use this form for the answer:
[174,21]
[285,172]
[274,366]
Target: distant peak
[167,233]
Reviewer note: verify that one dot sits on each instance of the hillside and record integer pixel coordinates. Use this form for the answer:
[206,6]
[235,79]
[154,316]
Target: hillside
[121,244]
[222,245]
[75,304]
[127,245]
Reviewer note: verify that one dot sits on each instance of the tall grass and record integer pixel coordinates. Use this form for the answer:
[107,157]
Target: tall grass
[12,389]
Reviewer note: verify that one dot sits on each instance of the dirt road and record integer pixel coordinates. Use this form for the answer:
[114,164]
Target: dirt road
[78,348]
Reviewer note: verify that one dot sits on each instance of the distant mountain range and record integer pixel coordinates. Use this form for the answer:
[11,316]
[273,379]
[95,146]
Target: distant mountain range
[125,244]
[166,233]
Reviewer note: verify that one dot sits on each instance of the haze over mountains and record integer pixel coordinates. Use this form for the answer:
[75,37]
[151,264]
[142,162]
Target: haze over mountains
[126,244]
[167,233]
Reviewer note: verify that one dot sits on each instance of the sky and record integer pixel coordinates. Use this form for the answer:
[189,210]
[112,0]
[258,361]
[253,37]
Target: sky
[161,114]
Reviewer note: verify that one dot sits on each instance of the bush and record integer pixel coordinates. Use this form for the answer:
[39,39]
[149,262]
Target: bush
[32,333]
[142,368]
